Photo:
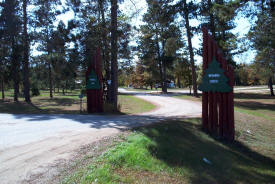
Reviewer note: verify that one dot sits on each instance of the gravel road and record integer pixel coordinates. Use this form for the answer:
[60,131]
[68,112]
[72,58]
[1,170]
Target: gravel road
[30,144]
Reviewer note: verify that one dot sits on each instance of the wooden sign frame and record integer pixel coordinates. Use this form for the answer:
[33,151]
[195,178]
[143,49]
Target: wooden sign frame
[217,107]
[95,96]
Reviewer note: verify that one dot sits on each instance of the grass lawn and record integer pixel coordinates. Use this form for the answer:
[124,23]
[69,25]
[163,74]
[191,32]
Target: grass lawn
[173,152]
[68,104]
[260,105]
[130,104]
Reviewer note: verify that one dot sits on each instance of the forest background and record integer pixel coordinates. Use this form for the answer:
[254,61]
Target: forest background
[43,48]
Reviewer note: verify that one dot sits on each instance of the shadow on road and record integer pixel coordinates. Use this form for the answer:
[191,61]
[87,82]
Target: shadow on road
[96,121]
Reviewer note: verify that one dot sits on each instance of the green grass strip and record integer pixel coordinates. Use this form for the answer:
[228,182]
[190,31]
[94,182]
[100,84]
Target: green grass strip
[176,150]
[254,113]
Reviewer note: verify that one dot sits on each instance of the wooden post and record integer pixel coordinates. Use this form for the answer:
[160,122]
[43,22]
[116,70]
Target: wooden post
[225,102]
[220,101]
[217,107]
[99,74]
[210,94]
[95,95]
[215,98]
[231,133]
[205,94]
[220,115]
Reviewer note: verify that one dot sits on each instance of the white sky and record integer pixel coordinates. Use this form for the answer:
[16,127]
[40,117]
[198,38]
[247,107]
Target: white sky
[131,7]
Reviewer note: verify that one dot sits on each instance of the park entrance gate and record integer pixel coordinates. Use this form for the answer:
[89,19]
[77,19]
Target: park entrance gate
[94,85]
[217,91]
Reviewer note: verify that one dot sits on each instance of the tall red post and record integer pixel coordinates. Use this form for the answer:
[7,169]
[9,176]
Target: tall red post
[220,100]
[210,94]
[205,94]
[217,107]
[225,104]
[215,99]
[94,85]
[231,133]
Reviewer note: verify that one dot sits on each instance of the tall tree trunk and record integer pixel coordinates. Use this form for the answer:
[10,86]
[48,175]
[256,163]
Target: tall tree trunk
[15,70]
[270,84]
[160,64]
[26,56]
[49,52]
[178,82]
[51,79]
[15,83]
[164,88]
[189,36]
[66,87]
[211,17]
[2,89]
[114,69]
[105,50]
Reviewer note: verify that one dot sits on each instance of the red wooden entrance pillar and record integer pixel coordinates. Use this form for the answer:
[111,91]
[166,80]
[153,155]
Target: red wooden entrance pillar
[94,85]
[217,91]
[205,94]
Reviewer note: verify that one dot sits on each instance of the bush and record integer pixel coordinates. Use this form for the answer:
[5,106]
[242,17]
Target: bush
[35,91]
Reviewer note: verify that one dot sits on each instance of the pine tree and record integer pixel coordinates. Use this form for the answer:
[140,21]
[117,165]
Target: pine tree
[158,29]
[10,25]
[186,10]
[262,36]
[218,16]
[26,53]
[45,16]
[114,50]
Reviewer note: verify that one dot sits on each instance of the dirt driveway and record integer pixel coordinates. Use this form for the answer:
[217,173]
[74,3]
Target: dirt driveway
[30,144]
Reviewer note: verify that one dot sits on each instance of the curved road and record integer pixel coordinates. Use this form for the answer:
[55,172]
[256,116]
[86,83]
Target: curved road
[30,144]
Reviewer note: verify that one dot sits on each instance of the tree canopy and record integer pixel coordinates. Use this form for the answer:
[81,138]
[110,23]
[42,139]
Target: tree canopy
[38,50]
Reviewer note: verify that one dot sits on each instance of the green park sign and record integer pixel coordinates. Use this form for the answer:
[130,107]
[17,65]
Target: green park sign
[214,79]
[93,82]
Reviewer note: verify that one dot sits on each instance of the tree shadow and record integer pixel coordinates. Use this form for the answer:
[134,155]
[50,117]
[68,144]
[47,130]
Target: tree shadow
[96,120]
[9,106]
[182,145]
[253,105]
[252,96]
[48,106]
[58,101]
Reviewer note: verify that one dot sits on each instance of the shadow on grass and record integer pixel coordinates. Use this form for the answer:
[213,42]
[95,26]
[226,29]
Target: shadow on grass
[36,107]
[46,107]
[253,101]
[252,96]
[253,105]
[9,106]
[58,101]
[182,145]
